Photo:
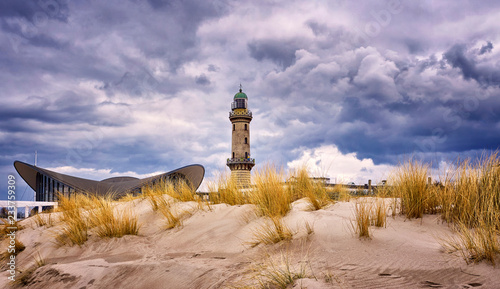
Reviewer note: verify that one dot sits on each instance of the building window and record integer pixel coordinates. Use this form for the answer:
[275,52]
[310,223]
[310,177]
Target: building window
[233,155]
[246,141]
[234,127]
[46,189]
[246,155]
[246,126]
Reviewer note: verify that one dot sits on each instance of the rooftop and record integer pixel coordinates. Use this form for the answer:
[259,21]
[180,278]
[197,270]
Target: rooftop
[240,94]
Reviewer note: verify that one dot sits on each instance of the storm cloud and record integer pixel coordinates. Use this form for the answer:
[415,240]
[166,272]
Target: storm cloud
[132,87]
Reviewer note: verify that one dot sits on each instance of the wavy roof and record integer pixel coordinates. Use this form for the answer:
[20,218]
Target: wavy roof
[117,185]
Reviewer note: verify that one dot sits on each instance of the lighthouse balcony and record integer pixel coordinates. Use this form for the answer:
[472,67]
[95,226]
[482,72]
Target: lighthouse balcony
[240,161]
[247,113]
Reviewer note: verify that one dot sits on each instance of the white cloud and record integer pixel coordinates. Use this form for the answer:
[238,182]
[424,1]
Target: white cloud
[98,174]
[328,161]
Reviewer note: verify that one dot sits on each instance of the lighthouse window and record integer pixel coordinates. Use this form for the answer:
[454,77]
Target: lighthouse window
[233,155]
[246,140]
[246,155]
[240,103]
[246,126]
[234,127]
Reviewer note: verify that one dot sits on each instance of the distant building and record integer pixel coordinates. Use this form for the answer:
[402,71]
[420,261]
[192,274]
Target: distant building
[322,180]
[47,184]
[240,162]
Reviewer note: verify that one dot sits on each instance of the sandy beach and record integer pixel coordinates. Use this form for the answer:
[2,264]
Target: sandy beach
[213,249]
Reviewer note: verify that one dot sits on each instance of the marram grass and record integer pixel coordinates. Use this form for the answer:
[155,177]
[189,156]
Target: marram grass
[281,272]
[302,186]
[475,244]
[273,230]
[270,196]
[41,219]
[110,222]
[410,181]
[362,214]
[179,190]
[75,227]
[82,213]
[340,192]
[379,213]
[467,197]
[224,190]
[172,218]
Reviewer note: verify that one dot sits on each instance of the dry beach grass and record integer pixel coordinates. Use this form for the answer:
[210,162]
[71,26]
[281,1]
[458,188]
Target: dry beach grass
[284,233]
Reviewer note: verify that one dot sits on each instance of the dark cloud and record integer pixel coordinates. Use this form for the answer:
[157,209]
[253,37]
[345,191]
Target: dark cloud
[459,57]
[202,80]
[145,86]
[140,83]
[415,46]
[35,11]
[213,68]
[486,48]
[282,53]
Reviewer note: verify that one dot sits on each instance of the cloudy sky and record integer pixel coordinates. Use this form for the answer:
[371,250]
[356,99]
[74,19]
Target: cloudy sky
[350,88]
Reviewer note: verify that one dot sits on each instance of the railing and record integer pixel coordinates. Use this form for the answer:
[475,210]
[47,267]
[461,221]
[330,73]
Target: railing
[232,113]
[240,160]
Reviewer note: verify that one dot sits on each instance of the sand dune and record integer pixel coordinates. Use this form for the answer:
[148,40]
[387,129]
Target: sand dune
[212,250]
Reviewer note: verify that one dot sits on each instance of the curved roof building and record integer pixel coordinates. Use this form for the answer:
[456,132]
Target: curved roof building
[47,183]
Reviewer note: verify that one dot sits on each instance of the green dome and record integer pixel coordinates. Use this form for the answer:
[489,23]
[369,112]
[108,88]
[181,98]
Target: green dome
[240,94]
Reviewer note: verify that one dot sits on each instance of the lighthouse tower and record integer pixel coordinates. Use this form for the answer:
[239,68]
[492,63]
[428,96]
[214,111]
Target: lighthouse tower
[240,162]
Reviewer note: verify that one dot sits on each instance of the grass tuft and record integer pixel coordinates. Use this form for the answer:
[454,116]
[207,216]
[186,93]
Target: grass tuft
[74,230]
[362,214]
[410,181]
[467,196]
[130,197]
[109,222]
[44,220]
[18,248]
[302,186]
[226,191]
[379,213]
[280,272]
[39,260]
[172,218]
[5,223]
[340,193]
[475,244]
[309,228]
[274,230]
[270,196]
[84,212]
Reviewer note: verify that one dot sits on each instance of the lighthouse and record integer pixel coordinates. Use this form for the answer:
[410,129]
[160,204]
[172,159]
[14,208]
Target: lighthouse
[240,161]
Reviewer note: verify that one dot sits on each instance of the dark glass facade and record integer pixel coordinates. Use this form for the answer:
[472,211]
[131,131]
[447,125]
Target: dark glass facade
[48,188]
